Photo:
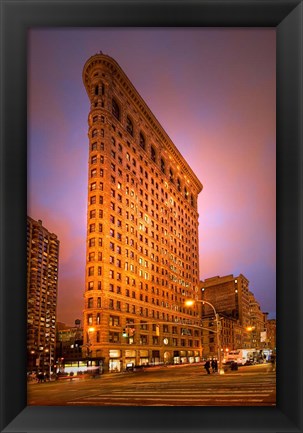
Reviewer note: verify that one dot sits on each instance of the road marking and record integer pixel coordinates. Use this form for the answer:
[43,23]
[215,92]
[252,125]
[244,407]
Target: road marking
[167,398]
[194,393]
[164,402]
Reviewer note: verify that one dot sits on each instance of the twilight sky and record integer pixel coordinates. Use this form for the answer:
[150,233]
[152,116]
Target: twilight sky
[213,92]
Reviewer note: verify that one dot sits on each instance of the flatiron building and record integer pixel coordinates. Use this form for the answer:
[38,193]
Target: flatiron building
[142,253]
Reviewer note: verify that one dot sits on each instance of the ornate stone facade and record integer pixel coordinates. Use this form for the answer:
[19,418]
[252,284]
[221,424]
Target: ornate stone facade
[142,259]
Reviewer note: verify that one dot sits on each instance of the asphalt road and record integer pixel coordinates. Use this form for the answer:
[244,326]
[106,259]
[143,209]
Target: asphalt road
[186,385]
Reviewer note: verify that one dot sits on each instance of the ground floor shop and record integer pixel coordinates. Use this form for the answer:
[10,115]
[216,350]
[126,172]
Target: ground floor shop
[122,359]
[118,360]
[93,366]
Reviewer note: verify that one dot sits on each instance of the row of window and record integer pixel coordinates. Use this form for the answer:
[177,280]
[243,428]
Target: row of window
[141,273]
[148,276]
[142,311]
[94,186]
[174,296]
[132,254]
[171,237]
[132,240]
[94,160]
[129,126]
[153,153]
[128,293]
[116,337]
[144,326]
[99,186]
[173,180]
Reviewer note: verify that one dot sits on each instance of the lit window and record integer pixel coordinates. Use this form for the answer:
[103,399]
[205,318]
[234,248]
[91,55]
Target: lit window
[90,303]
[142,141]
[129,126]
[91,271]
[153,153]
[115,109]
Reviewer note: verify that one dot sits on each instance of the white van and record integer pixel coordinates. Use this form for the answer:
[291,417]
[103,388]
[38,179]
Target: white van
[240,356]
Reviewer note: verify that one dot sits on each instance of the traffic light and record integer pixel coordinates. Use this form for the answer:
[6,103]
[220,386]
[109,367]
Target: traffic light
[125,332]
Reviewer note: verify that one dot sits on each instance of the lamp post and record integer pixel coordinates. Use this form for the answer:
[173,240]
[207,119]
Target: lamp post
[32,364]
[50,360]
[191,302]
[41,354]
[250,329]
[89,331]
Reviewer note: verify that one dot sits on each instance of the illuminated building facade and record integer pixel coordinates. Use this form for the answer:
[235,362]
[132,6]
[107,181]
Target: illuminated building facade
[229,295]
[257,324]
[142,258]
[231,335]
[271,325]
[69,341]
[42,287]
[242,323]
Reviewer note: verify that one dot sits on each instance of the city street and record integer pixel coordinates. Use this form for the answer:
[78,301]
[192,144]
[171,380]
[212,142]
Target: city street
[184,385]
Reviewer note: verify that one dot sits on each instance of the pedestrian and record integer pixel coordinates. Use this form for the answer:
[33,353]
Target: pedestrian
[216,366]
[207,366]
[213,365]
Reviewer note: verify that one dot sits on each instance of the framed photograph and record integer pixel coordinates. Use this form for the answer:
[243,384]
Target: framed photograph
[23,19]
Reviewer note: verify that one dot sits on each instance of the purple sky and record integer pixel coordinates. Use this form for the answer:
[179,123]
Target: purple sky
[213,91]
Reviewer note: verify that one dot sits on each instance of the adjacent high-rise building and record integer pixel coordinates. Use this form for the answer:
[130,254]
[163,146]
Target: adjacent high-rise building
[142,259]
[242,323]
[229,295]
[69,342]
[271,333]
[257,326]
[42,286]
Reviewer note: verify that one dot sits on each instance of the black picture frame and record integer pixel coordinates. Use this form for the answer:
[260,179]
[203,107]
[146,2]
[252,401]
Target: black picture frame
[16,18]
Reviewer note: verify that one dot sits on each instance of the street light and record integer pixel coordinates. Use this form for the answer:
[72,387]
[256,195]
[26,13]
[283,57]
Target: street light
[90,330]
[50,360]
[191,302]
[250,329]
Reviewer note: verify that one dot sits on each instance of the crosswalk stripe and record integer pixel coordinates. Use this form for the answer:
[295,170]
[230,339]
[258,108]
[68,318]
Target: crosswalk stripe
[171,396]
[191,392]
[164,401]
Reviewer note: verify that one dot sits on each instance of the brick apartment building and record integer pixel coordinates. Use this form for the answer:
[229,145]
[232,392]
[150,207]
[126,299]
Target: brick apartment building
[42,286]
[242,323]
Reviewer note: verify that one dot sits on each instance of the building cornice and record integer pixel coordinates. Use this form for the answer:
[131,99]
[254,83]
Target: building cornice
[119,75]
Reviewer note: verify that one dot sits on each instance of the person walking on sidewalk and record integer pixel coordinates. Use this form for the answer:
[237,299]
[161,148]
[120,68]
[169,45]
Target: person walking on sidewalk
[214,365]
[207,366]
